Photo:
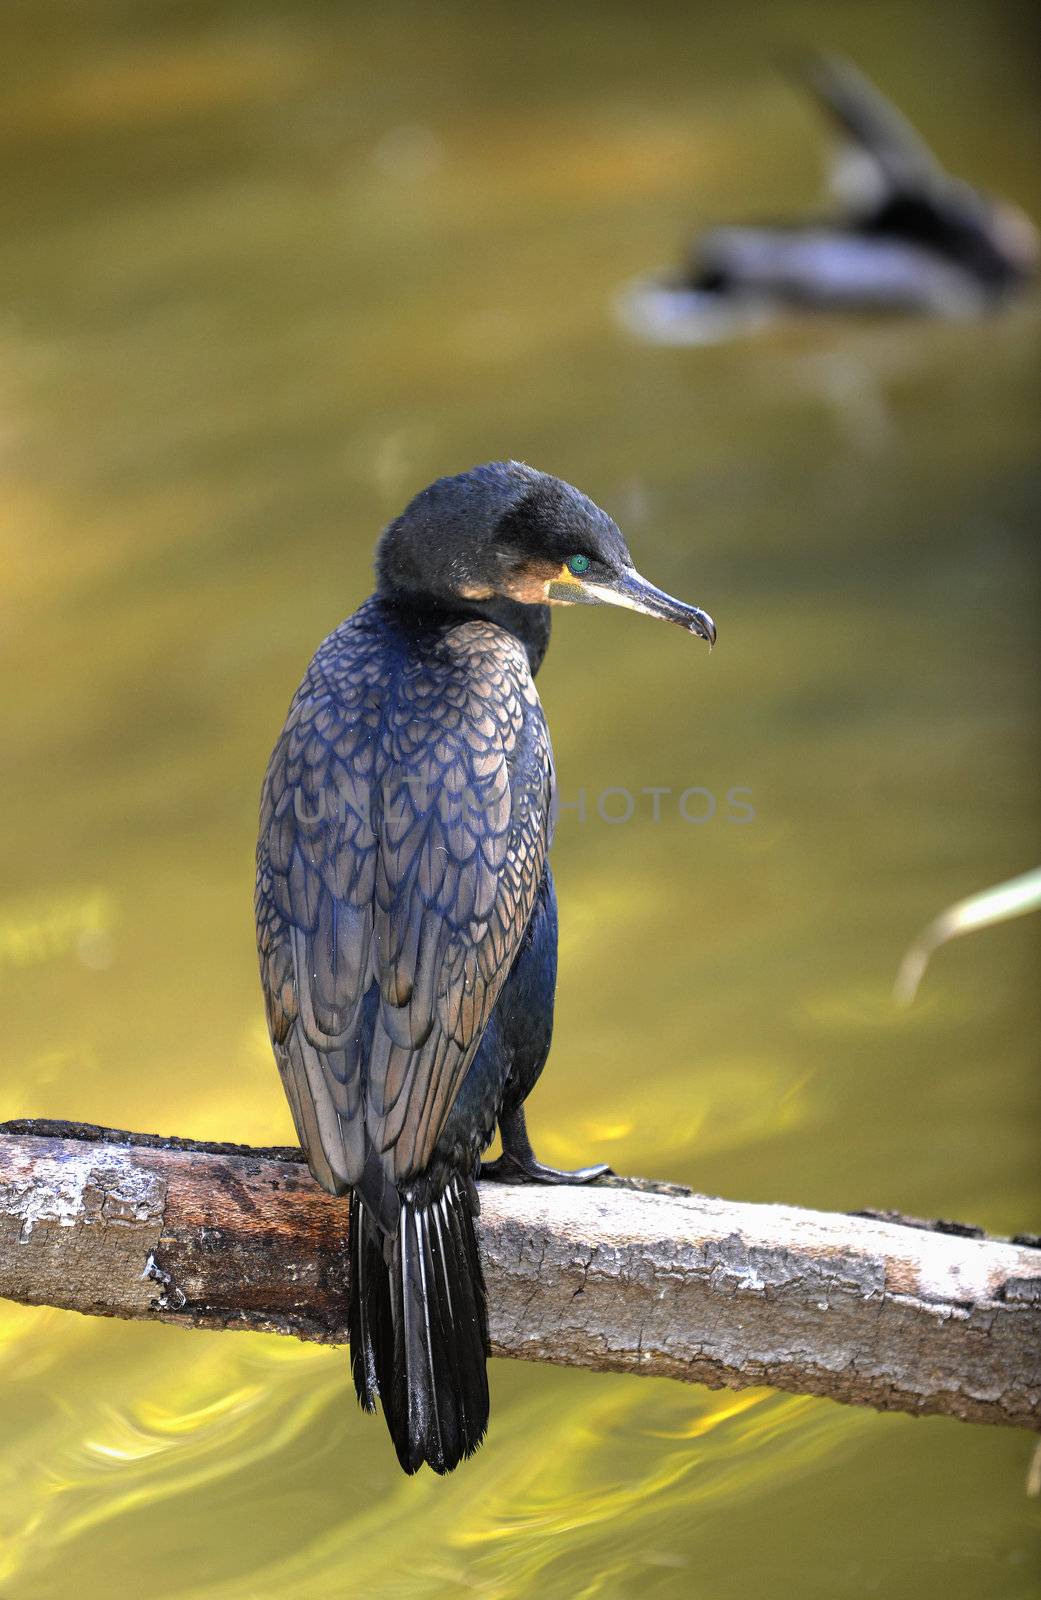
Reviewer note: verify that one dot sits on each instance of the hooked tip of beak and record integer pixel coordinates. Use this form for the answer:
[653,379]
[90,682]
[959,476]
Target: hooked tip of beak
[701,624]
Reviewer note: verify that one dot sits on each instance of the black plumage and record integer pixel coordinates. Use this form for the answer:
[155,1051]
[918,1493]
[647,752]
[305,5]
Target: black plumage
[406,918]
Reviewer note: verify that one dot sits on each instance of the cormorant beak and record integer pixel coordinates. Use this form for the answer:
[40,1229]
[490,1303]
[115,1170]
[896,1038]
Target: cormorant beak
[628,589]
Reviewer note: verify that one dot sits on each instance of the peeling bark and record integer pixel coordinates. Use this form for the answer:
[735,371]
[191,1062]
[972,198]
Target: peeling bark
[624,1276]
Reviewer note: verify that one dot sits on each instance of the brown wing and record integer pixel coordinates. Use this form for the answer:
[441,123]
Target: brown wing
[404,830]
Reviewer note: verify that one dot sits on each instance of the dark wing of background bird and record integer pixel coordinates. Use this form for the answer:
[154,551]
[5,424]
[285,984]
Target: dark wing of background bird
[404,824]
[882,155]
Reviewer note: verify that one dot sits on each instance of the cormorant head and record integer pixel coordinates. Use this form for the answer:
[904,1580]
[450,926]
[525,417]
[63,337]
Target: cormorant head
[506,532]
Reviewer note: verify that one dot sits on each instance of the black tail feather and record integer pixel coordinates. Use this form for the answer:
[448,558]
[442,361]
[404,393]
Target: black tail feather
[371,1317]
[418,1324]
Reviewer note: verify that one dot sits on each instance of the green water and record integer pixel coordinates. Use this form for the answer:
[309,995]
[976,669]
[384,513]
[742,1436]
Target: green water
[265,270]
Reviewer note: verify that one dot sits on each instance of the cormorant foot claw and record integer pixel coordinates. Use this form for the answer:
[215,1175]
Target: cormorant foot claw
[509,1168]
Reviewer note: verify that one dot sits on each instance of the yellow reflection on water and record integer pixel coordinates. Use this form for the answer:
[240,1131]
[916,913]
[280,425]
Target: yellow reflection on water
[551,1499]
[737,1102]
[77,922]
[207,1410]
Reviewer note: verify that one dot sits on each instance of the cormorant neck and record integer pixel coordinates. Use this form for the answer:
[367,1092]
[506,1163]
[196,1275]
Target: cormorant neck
[529,624]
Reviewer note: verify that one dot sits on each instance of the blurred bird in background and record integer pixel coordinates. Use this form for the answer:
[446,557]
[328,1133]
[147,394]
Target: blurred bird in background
[908,236]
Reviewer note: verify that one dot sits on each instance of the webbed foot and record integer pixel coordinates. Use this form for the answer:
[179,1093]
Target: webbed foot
[519,1164]
[507,1169]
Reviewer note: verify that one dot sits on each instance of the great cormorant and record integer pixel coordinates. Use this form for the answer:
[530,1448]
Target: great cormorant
[406,918]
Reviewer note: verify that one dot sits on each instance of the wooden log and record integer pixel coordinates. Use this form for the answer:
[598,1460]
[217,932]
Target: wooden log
[624,1276]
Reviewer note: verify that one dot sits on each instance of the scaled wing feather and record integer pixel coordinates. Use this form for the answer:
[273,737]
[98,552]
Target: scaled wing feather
[404,830]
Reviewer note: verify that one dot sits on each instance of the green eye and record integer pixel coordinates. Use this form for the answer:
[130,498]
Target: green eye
[578,565]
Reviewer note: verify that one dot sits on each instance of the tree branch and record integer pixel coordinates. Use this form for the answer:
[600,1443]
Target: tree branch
[624,1276]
